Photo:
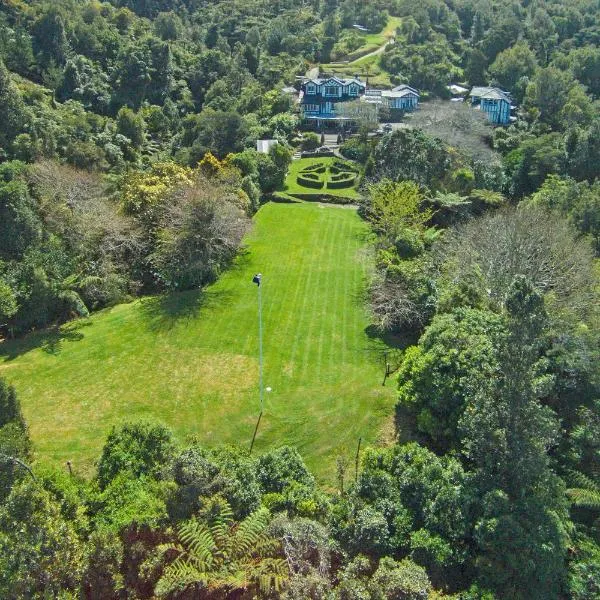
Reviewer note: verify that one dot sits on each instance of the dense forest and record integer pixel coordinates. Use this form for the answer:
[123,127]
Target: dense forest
[128,168]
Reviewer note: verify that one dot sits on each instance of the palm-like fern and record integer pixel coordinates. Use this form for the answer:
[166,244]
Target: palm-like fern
[587,492]
[224,556]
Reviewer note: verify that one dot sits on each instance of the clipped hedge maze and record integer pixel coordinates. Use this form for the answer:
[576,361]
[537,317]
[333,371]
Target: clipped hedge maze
[336,176]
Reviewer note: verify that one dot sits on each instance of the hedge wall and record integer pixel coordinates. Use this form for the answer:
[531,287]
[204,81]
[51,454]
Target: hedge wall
[342,183]
[311,183]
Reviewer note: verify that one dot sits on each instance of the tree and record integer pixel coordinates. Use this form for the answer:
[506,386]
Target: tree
[20,226]
[411,154]
[439,376]
[513,68]
[220,558]
[131,125]
[12,109]
[41,554]
[137,449]
[547,95]
[216,131]
[49,38]
[528,242]
[200,232]
[393,207]
[507,433]
[15,444]
[475,69]
[280,468]
[201,473]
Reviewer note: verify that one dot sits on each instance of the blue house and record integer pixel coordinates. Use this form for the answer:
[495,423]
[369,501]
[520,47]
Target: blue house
[319,97]
[402,97]
[495,102]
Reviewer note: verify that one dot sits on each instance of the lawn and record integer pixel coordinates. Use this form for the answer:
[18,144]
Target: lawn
[189,360]
[303,165]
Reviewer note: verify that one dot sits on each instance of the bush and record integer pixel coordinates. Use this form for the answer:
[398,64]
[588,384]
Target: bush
[310,141]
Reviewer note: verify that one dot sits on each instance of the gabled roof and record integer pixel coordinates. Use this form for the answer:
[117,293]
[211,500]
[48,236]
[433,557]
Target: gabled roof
[400,93]
[343,82]
[405,88]
[489,93]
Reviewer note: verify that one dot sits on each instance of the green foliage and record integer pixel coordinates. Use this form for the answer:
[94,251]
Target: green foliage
[279,468]
[392,207]
[409,154]
[135,449]
[41,555]
[101,578]
[439,376]
[201,473]
[14,440]
[216,553]
[506,436]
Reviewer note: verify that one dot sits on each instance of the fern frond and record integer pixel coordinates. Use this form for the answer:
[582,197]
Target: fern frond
[580,480]
[271,574]
[178,576]
[250,532]
[585,497]
[198,540]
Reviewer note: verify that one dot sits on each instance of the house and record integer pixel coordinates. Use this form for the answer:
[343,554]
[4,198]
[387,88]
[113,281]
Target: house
[319,97]
[402,97]
[495,102]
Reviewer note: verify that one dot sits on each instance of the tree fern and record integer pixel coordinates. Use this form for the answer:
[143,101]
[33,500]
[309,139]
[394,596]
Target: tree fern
[587,492]
[224,556]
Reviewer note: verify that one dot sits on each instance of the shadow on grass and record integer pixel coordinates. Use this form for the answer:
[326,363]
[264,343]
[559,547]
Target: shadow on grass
[162,313]
[50,340]
[397,341]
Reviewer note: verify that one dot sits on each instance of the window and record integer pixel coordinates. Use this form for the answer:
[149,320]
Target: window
[311,108]
[353,91]
[331,90]
[311,88]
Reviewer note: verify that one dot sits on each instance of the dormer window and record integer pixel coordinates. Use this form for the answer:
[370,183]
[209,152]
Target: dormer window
[331,90]
[311,88]
[353,90]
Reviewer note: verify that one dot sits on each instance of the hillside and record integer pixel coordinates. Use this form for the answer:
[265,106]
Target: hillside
[190,360]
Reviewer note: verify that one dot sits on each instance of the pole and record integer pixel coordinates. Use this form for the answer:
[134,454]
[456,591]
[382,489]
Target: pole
[257,279]
[260,349]
[357,460]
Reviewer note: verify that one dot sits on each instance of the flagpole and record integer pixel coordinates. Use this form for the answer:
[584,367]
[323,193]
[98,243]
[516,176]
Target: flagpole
[257,279]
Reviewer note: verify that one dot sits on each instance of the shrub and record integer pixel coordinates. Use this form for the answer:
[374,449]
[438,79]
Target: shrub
[314,176]
[302,180]
[310,141]
[344,183]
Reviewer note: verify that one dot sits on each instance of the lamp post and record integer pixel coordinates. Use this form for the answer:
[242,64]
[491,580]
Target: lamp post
[257,279]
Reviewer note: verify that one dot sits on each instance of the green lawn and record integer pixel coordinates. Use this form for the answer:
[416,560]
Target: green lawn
[190,360]
[291,185]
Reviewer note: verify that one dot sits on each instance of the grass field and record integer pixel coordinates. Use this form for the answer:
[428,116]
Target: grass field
[291,185]
[190,360]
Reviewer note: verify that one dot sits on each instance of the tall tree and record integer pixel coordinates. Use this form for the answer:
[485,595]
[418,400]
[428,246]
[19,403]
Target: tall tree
[520,529]
[12,109]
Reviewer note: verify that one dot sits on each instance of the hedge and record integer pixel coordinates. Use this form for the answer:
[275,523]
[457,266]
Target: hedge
[337,164]
[314,176]
[344,183]
[318,168]
[311,183]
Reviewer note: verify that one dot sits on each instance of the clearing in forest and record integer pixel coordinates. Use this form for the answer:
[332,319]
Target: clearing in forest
[190,360]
